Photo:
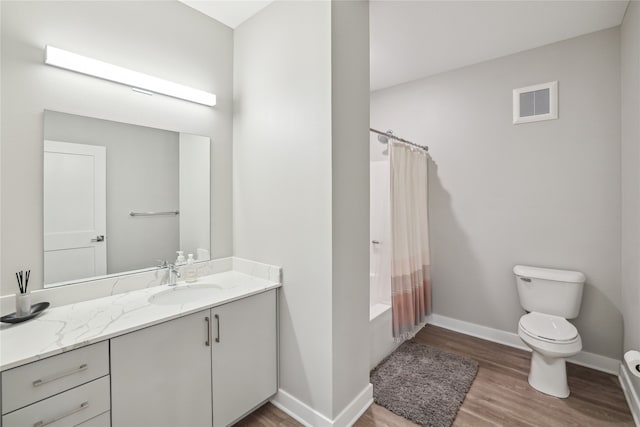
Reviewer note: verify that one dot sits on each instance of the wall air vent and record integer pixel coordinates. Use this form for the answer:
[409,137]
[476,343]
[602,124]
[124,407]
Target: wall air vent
[535,103]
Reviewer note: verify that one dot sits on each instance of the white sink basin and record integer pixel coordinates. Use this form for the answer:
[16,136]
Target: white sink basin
[183,294]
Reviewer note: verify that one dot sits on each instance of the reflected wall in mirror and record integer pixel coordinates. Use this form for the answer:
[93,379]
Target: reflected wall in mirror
[119,197]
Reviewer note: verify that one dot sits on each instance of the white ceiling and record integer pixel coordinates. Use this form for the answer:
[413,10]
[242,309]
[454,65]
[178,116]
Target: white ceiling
[415,39]
[230,12]
[419,38]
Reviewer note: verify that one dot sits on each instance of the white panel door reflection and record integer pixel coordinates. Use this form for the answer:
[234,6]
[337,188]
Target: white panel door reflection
[75,245]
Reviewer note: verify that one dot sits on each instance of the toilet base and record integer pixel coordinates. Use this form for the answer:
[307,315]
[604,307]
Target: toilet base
[549,375]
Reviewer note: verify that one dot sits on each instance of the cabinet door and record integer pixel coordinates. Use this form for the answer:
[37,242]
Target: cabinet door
[161,375]
[244,356]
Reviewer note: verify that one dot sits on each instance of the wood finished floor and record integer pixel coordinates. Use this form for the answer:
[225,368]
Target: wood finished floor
[500,394]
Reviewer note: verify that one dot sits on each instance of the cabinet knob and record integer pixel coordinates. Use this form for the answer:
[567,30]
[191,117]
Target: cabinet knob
[218,324]
[45,380]
[43,423]
[208,341]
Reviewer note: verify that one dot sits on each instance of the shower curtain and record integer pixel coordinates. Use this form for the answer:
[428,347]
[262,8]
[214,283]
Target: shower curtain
[410,264]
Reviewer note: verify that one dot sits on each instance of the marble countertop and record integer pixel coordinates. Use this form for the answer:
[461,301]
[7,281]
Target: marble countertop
[76,325]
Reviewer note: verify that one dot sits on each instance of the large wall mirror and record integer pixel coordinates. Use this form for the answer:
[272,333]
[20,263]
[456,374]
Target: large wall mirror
[119,197]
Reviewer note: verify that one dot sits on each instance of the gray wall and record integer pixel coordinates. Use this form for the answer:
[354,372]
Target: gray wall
[350,199]
[142,175]
[166,39]
[630,72]
[282,179]
[301,180]
[541,194]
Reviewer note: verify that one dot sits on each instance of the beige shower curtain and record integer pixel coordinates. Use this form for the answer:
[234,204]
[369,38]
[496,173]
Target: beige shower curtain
[410,264]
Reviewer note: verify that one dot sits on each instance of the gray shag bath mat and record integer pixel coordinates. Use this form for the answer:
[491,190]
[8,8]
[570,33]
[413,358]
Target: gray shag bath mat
[423,384]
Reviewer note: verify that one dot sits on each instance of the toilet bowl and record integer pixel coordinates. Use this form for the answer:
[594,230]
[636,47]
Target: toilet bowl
[550,297]
[552,339]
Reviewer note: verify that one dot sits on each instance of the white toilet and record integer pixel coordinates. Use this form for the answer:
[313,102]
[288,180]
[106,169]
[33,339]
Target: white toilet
[551,297]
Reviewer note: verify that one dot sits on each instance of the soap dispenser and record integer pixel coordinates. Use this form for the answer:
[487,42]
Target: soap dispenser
[180,260]
[190,275]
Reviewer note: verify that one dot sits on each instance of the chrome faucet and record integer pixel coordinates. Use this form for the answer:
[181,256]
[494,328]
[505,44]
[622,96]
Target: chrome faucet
[174,274]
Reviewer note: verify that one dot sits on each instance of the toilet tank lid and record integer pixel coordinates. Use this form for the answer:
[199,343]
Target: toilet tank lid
[549,274]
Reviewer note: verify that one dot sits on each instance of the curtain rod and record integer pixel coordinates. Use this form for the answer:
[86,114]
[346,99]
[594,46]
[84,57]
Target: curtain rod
[389,135]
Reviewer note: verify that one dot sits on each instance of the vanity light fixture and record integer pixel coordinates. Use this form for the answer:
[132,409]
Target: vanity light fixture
[143,82]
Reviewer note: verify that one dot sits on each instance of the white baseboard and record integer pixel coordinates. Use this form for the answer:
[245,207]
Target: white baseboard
[299,410]
[597,362]
[349,415]
[479,331]
[308,416]
[630,393]
[584,358]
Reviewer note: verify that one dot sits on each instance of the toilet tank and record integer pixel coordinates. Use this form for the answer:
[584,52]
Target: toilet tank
[549,291]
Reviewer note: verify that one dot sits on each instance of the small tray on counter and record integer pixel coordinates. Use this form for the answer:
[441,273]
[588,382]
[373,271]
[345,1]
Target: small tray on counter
[36,309]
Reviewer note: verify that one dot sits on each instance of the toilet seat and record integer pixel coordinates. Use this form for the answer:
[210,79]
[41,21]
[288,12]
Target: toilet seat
[549,328]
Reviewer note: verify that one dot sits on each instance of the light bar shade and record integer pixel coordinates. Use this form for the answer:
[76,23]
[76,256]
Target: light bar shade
[71,61]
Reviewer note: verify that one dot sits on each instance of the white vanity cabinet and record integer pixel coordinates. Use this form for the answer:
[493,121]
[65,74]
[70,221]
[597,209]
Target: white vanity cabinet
[162,375]
[69,389]
[243,356]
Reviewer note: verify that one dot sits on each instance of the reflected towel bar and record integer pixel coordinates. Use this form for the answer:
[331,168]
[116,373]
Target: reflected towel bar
[154,213]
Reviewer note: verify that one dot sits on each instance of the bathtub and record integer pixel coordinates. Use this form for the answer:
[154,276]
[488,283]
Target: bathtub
[381,343]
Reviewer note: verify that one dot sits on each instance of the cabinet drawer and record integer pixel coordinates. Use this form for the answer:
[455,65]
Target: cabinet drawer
[70,408]
[35,381]
[102,420]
